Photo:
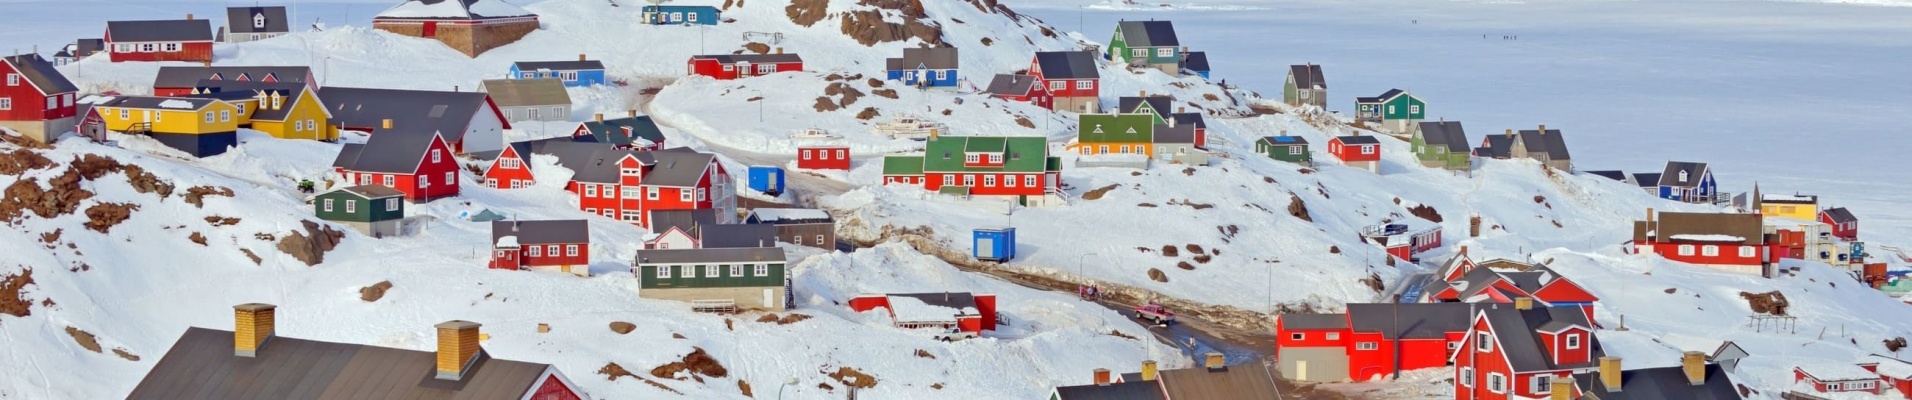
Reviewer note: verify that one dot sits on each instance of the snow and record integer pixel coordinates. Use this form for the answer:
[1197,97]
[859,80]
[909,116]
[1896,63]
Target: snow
[508,241]
[1890,367]
[1834,372]
[1685,343]
[1133,5]
[782,214]
[178,104]
[1786,197]
[910,309]
[1707,237]
[453,9]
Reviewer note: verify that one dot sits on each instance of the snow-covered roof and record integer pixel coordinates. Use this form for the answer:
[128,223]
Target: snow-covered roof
[770,215]
[1789,198]
[1707,238]
[454,9]
[1833,372]
[94,99]
[1888,366]
[911,309]
[180,104]
[508,241]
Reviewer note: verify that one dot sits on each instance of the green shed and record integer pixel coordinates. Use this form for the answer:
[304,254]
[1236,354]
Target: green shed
[1292,149]
[374,210]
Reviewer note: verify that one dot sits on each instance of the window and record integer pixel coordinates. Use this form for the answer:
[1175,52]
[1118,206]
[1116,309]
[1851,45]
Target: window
[1541,383]
[972,158]
[969,180]
[1058,85]
[843,154]
[630,171]
[1573,341]
[630,215]
[225,115]
[7,104]
[737,270]
[1085,84]
[1390,109]
[1747,252]
[351,206]
[942,74]
[1682,176]
[1453,345]
[710,271]
[1367,346]
[571,250]
[1686,249]
[424,182]
[1334,336]
[692,17]
[1483,343]
[1467,376]
[123,113]
[1029,180]
[701,194]
[535,251]
[650,193]
[683,195]
[1297,336]
[766,68]
[510,163]
[388,180]
[1164,52]
[989,180]
[529,75]
[949,180]
[435,155]
[449,176]
[13,79]
[147,47]
[1009,180]
[1414,109]
[805,154]
[328,204]
[629,192]
[1367,149]
[728,68]
[763,270]
[1294,150]
[1710,251]
[391,204]
[1496,382]
[172,47]
[590,191]
[551,249]
[1139,52]
[122,48]
[259,21]
[664,271]
[365,180]
[209,117]
[819,240]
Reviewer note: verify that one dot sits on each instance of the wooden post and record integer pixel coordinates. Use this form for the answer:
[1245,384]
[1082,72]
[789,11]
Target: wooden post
[1473,226]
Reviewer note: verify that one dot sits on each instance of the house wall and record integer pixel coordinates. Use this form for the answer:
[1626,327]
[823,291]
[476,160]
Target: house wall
[485,133]
[1728,254]
[647,276]
[198,145]
[29,104]
[745,297]
[499,177]
[362,210]
[553,388]
[469,37]
[806,234]
[1848,231]
[1483,363]
[934,181]
[306,108]
[172,121]
[188,51]
[377,229]
[1313,364]
[556,112]
[545,258]
[837,158]
[678,15]
[913,77]
[714,69]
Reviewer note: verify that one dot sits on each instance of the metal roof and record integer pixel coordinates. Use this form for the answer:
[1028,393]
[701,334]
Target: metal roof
[1357,139]
[1695,171]
[449,113]
[1445,133]
[201,365]
[1195,61]
[1114,128]
[1179,133]
[579,65]
[1308,75]
[1313,321]
[675,167]
[927,58]
[1148,33]
[1663,383]
[1647,179]
[1614,175]
[776,58]
[956,300]
[1518,333]
[1410,320]
[526,92]
[239,19]
[188,76]
[1126,390]
[1250,381]
[157,103]
[716,236]
[738,254]
[564,231]
[172,30]
[388,151]
[41,74]
[1067,65]
[1012,84]
[1552,143]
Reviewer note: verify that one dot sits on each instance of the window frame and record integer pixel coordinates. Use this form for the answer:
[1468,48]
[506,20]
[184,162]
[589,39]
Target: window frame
[1686,250]
[1367,346]
[663,271]
[1496,382]
[1748,252]
[327,205]
[1573,341]
[1709,250]
[761,270]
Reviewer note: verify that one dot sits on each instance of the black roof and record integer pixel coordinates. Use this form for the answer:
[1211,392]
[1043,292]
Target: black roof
[1647,179]
[566,231]
[388,151]
[1313,321]
[187,76]
[1671,176]
[172,30]
[1614,174]
[1285,140]
[201,365]
[1179,133]
[928,58]
[1520,342]
[1663,383]
[622,131]
[721,236]
[86,47]
[685,220]
[558,65]
[1195,61]
[1160,104]
[1126,390]
[1012,84]
[956,300]
[752,58]
[1840,215]
[1357,139]
[239,19]
[1308,75]
[449,113]
[1148,33]
[41,74]
[1445,133]
[1410,320]
[1067,65]
[1551,143]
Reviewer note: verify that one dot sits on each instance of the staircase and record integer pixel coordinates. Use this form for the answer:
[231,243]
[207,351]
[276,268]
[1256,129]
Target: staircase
[142,128]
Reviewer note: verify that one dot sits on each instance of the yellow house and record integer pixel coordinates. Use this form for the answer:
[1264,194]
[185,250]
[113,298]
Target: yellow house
[1797,206]
[198,126]
[285,110]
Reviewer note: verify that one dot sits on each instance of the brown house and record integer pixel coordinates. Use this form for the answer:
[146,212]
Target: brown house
[801,226]
[469,26]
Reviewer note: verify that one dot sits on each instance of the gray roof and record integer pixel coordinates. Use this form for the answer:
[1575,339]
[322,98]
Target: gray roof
[239,19]
[1517,331]
[388,151]
[926,58]
[1284,140]
[1012,84]
[589,162]
[1313,321]
[1148,33]
[1249,381]
[1445,133]
[41,73]
[154,102]
[1671,176]
[188,76]
[1647,179]
[1409,320]
[1551,143]
[956,300]
[623,131]
[1067,65]
[526,92]
[290,90]
[775,58]
[565,231]
[685,220]
[1663,383]
[1190,118]
[1308,75]
[558,65]
[201,365]
[1614,174]
[1126,390]
[372,191]
[449,113]
[1840,214]
[172,30]
[1161,104]
[677,167]
[1666,224]
[1195,61]
[86,47]
[737,254]
[712,236]
[1180,133]
[1383,97]
[1357,139]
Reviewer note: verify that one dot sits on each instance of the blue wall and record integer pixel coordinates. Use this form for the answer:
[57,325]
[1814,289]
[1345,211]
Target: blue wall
[766,179]
[678,15]
[949,78]
[585,77]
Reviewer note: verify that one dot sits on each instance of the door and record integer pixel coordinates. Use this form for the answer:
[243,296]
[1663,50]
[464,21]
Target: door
[986,247]
[769,299]
[1301,370]
[430,29]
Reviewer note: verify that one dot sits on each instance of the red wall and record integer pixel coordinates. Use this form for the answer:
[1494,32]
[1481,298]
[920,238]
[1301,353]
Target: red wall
[29,104]
[934,181]
[986,307]
[1483,363]
[1352,152]
[1041,98]
[546,259]
[1069,86]
[1851,233]
[554,389]
[868,302]
[504,176]
[504,259]
[713,69]
[824,157]
[1728,254]
[189,51]
[668,198]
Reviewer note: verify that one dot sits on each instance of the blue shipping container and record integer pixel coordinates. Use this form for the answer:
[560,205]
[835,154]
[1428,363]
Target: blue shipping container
[766,179]
[997,245]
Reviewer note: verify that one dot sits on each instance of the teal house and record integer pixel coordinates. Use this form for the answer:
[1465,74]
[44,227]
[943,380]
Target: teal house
[1146,44]
[679,15]
[1396,111]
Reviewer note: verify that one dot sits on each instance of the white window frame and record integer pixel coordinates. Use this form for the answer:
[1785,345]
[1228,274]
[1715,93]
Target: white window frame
[590,190]
[629,192]
[1413,109]
[148,47]
[1467,376]
[1138,52]
[766,69]
[1029,180]
[225,115]
[351,206]
[450,176]
[259,21]
[1573,341]
[1541,383]
[819,240]
[1367,149]
[969,180]
[1367,346]
[170,47]
[389,181]
[570,250]
[762,270]
[650,193]
[1748,252]
[843,154]
[630,215]
[436,157]
[535,250]
[1686,250]
[1333,336]
[949,180]
[1085,84]
[328,205]
[664,271]
[805,154]
[711,271]
[209,117]
[971,158]
[1058,85]
[702,194]
[1011,181]
[736,270]
[1294,150]
[683,195]
[1164,52]
[1483,342]
[13,79]
[1496,382]
[989,180]
[1709,251]
[7,104]
[391,204]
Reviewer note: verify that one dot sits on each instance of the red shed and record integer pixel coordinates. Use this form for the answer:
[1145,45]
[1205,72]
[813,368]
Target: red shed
[970,312]
[418,163]
[824,157]
[1896,373]
[1357,151]
[1834,378]
[561,245]
[164,40]
[37,100]
[733,66]
[1844,225]
[1023,88]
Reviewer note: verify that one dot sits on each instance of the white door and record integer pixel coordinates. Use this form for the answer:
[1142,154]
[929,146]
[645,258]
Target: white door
[767,298]
[1301,370]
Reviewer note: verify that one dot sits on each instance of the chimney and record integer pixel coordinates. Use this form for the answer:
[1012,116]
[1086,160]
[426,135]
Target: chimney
[631,113]
[1142,93]
[581,57]
[1523,303]
[1543,129]
[1510,133]
[599,117]
[386,124]
[1562,389]
[207,63]
[1610,373]
[1101,376]
[1463,250]
[189,16]
[1148,370]
[779,50]
[252,326]
[457,348]
[1214,360]
[1694,363]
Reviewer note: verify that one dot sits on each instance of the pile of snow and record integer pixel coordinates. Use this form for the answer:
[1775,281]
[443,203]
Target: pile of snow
[1133,5]
[789,214]
[176,103]
[910,309]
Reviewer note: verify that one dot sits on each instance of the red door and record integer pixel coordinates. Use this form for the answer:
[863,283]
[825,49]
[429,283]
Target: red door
[431,29]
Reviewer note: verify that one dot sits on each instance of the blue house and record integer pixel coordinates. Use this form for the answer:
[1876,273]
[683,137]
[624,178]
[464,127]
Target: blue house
[1195,62]
[574,73]
[1689,182]
[680,15]
[931,67]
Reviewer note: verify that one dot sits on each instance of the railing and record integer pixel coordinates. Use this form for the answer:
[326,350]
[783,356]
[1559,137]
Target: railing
[714,306]
[140,128]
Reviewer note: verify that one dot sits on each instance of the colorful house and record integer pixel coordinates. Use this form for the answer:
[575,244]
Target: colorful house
[1796,206]
[968,312]
[285,110]
[658,14]
[198,126]
[209,361]
[1305,85]
[1404,239]
[163,40]
[536,99]
[1117,133]
[184,80]
[1545,145]
[1196,62]
[1840,378]
[1488,285]
[416,162]
[1442,144]
[819,157]
[1894,373]
[1015,167]
[471,27]
[1688,182]
[1146,44]
[799,226]
[633,131]
[37,100]
[1368,342]
[1844,224]
[1072,78]
[580,73]
[624,184]
[715,280]
[78,50]
[1292,149]
[470,121]
[1022,88]
[245,24]
[1165,113]
[1517,352]
[1357,151]
[933,67]
[1694,379]
[373,210]
[737,66]
[1395,110]
[1730,242]
[553,245]
[700,229]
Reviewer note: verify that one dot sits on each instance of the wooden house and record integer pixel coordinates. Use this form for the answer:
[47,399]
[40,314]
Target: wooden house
[1694,379]
[1013,167]
[736,66]
[716,280]
[1115,133]
[1487,285]
[414,161]
[536,99]
[1844,224]
[633,131]
[662,14]
[1730,242]
[1292,149]
[1518,352]
[1442,144]
[162,40]
[78,50]
[799,226]
[1305,86]
[185,80]
[374,210]
[1357,151]
[1212,379]
[1072,79]
[551,245]
[285,110]
[703,229]
[1395,111]
[1688,182]
[1404,239]
[1022,88]
[1149,44]
[1894,373]
[580,73]
[245,24]
[471,27]
[1840,378]
[1161,108]
[1548,146]
[198,126]
[822,157]
[253,360]
[469,121]
[37,101]
[624,184]
[1369,341]
[1796,206]
[1195,62]
[968,312]
[933,67]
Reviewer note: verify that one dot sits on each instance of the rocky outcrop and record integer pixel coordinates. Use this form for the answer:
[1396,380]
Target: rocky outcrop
[807,12]
[869,28]
[310,246]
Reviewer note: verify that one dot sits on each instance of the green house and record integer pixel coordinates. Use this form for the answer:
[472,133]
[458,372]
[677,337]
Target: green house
[1292,149]
[1146,44]
[714,279]
[372,209]
[1114,133]
[1397,110]
[1442,144]
[1018,166]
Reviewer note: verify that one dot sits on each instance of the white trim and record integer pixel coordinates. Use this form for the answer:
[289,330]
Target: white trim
[550,371]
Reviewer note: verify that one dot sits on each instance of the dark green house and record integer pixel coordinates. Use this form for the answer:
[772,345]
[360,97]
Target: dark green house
[1146,44]
[371,209]
[1396,111]
[1292,149]
[715,279]
[1442,144]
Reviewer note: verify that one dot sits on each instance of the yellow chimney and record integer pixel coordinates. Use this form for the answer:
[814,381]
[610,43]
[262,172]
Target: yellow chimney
[386,124]
[1215,361]
[1101,376]
[581,57]
[1694,364]
[457,348]
[779,50]
[1610,373]
[1543,129]
[1510,133]
[1148,370]
[1523,303]
[1562,389]
[631,113]
[599,117]
[252,327]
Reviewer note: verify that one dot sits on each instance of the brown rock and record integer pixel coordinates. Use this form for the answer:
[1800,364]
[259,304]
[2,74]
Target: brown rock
[758,48]
[374,292]
[12,301]
[1097,193]
[104,216]
[868,113]
[622,327]
[863,381]
[1297,208]
[125,354]
[253,256]
[887,93]
[869,28]
[697,362]
[806,12]
[924,354]
[1184,265]
[792,318]
[1157,275]
[310,246]
[877,83]
[825,105]
[1169,250]
[196,237]
[85,339]
[19,161]
[1025,122]
[744,387]
[1425,212]
[196,195]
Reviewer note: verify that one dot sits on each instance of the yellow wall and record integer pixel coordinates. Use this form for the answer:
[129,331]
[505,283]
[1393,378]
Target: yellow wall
[1809,212]
[1092,148]
[166,120]
[306,107]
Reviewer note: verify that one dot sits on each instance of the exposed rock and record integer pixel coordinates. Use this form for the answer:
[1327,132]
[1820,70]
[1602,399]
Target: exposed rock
[792,318]
[622,327]
[868,113]
[196,195]
[197,237]
[222,221]
[825,105]
[758,48]
[1772,303]
[1297,208]
[1025,122]
[807,12]
[1169,250]
[612,371]
[104,216]
[877,83]
[888,93]
[1894,344]
[986,42]
[869,28]
[767,318]
[861,381]
[1184,265]
[924,354]
[1374,282]
[253,256]
[1425,212]
[52,237]
[1157,275]
[744,387]
[310,246]
[1204,259]
[125,354]
[1334,249]
[374,292]
[697,363]
[19,161]
[1195,248]
[1097,193]
[25,195]
[146,182]
[84,338]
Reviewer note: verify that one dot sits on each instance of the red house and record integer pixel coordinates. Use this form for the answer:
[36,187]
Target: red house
[1731,242]
[1469,284]
[625,184]
[417,163]
[733,66]
[970,312]
[1844,225]
[1894,373]
[835,157]
[1370,341]
[1834,378]
[1517,352]
[559,245]
[165,40]
[1357,151]
[1072,78]
[1023,88]
[37,100]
